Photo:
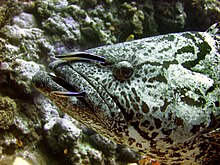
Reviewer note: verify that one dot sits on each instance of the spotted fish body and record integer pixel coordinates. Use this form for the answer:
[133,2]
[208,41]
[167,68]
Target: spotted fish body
[167,106]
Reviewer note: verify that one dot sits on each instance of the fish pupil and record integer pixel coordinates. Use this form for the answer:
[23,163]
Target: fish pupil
[127,72]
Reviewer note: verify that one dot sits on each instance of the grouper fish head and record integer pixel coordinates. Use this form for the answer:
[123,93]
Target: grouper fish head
[156,95]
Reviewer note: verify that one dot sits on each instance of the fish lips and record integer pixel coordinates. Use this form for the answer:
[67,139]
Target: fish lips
[95,108]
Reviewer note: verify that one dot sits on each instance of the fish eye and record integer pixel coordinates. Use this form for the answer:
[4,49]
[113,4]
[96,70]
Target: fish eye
[123,70]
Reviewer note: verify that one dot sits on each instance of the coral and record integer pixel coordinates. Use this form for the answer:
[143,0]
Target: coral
[17,73]
[3,11]
[66,27]
[25,20]
[170,16]
[104,144]
[137,20]
[7,112]
[21,43]
[202,13]
[61,133]
[2,49]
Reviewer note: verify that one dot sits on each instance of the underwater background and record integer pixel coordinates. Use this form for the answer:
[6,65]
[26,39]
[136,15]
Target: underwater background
[32,129]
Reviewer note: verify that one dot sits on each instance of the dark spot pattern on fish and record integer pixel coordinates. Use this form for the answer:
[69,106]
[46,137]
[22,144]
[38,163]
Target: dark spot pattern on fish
[157,95]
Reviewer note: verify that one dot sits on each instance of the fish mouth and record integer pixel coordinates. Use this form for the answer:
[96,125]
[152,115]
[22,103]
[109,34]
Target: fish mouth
[71,85]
